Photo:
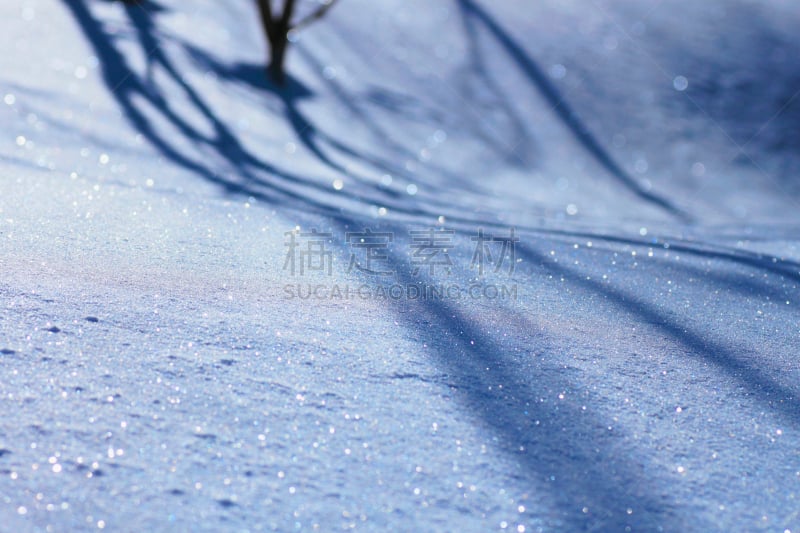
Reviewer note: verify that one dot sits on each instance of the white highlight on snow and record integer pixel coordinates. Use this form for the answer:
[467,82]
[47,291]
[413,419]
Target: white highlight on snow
[610,42]
[698,169]
[558,71]
[680,83]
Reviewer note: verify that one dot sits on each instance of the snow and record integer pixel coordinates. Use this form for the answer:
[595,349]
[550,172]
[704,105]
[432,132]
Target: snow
[162,369]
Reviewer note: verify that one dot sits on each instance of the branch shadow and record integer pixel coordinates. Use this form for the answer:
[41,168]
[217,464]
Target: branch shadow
[566,450]
[589,476]
[248,174]
[413,109]
[776,396]
[562,449]
[471,11]
[785,268]
[350,102]
[588,467]
[221,158]
[476,80]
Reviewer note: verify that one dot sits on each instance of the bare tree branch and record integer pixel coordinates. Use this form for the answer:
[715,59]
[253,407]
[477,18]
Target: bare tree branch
[277,24]
[265,10]
[288,11]
[311,17]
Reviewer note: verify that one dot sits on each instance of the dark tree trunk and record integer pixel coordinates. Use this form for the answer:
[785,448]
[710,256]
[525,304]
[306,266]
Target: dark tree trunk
[276,27]
[277,54]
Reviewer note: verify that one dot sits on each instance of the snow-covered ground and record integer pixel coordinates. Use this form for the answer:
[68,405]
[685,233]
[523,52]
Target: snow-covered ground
[631,366]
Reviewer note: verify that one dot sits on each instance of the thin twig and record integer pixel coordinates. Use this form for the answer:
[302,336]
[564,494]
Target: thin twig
[311,17]
[288,11]
[265,10]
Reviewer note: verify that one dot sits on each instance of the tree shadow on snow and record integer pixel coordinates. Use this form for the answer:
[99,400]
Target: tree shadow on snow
[220,157]
[766,389]
[560,448]
[475,16]
[574,456]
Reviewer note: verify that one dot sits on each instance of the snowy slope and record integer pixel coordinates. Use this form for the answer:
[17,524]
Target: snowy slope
[160,371]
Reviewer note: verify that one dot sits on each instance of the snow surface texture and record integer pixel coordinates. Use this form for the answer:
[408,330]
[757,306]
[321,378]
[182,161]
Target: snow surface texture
[156,374]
